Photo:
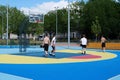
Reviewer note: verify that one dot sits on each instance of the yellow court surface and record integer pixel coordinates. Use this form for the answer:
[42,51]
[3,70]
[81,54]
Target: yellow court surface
[76,56]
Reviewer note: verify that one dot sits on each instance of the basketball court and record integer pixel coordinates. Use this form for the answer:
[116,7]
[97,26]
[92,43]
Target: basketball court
[69,64]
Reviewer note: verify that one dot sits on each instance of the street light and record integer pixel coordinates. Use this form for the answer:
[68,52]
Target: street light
[7,23]
[56,8]
[68,24]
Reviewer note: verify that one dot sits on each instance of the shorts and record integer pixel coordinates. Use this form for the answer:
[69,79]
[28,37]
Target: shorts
[83,46]
[46,46]
[103,45]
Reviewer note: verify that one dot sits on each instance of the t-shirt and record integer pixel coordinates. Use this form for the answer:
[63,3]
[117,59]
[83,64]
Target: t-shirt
[83,41]
[53,41]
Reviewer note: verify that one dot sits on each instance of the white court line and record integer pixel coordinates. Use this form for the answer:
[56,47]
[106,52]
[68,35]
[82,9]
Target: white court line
[4,76]
[115,78]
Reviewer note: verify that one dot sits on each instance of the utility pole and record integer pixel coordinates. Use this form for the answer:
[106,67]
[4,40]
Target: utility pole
[68,24]
[7,24]
[56,20]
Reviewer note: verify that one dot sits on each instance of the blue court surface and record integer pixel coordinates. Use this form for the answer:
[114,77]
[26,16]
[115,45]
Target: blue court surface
[94,70]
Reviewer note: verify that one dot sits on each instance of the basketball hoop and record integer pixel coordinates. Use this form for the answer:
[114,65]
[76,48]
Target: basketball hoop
[33,18]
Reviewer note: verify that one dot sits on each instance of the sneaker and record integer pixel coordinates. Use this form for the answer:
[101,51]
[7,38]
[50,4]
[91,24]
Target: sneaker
[53,55]
[45,56]
[82,53]
[50,54]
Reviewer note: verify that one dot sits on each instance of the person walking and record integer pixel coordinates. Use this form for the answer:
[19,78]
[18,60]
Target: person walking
[46,42]
[83,44]
[103,43]
[53,42]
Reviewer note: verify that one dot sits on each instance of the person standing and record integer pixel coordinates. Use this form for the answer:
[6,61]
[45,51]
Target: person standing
[53,42]
[46,42]
[103,43]
[83,44]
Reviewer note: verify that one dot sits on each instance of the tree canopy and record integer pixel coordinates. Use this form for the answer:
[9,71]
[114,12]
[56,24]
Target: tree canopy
[82,19]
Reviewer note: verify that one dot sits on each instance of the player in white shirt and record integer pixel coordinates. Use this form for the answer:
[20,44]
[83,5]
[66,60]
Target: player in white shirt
[53,42]
[83,41]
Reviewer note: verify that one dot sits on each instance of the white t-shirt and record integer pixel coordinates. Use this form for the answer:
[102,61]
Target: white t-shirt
[83,41]
[53,41]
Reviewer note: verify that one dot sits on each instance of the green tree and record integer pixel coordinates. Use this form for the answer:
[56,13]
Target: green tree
[96,28]
[15,18]
[62,14]
[76,15]
[49,21]
[108,16]
[2,19]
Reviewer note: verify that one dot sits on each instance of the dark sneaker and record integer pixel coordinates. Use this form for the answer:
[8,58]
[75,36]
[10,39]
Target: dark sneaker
[53,55]
[50,54]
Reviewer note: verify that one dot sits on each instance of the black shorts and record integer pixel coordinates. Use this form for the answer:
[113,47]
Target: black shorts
[46,46]
[103,44]
[83,46]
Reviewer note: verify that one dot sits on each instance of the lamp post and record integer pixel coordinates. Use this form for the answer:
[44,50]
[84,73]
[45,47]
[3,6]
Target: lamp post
[7,24]
[56,8]
[68,24]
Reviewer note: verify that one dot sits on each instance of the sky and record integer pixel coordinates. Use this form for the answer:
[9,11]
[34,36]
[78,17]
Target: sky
[36,6]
